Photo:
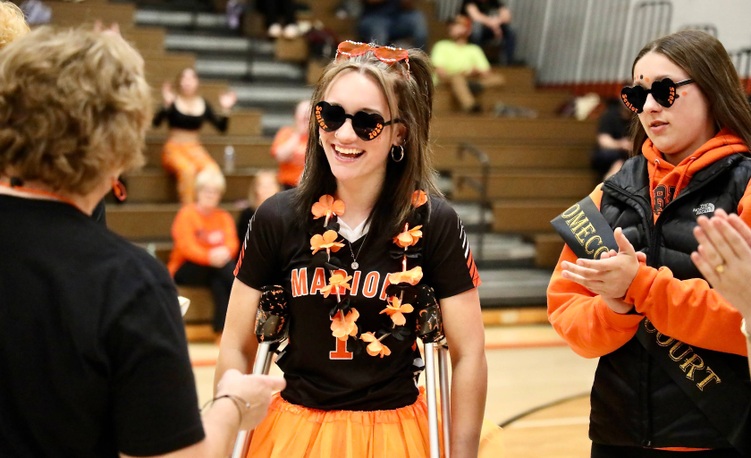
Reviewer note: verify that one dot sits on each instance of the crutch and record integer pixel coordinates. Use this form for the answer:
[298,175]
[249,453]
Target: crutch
[430,330]
[271,330]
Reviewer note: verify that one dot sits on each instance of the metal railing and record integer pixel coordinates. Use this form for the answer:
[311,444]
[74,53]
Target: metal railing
[578,43]
[585,41]
[742,61]
[481,187]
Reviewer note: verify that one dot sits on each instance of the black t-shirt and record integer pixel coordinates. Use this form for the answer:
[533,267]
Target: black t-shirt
[93,356]
[243,220]
[321,371]
[385,7]
[613,123]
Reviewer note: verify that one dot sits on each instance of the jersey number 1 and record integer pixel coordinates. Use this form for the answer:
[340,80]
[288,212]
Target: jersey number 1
[341,351]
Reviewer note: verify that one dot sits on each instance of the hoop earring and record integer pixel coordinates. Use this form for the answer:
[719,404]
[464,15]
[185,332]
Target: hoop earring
[401,153]
[118,189]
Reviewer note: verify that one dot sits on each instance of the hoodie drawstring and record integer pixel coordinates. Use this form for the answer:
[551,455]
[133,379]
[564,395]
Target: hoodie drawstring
[684,172]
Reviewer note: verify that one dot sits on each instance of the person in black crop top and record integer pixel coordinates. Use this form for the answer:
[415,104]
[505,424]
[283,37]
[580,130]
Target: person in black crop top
[185,112]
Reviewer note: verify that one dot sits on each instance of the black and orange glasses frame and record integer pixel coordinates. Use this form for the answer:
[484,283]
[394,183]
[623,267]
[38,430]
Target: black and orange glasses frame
[664,91]
[366,125]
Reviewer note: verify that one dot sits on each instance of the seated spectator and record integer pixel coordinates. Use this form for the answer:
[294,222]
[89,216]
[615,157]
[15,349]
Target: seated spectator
[185,112]
[289,145]
[264,186]
[36,12]
[613,142]
[463,65]
[385,21]
[206,244]
[491,21]
[279,16]
[235,10]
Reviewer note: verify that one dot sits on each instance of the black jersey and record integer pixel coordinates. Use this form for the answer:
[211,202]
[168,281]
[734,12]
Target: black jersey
[321,371]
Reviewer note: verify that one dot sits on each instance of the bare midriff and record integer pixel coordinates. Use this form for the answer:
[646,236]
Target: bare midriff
[182,136]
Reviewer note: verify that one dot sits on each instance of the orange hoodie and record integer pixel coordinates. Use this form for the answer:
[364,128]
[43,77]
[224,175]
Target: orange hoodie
[195,233]
[688,310]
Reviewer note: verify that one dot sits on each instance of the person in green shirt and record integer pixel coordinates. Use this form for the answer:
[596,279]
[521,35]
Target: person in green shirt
[463,65]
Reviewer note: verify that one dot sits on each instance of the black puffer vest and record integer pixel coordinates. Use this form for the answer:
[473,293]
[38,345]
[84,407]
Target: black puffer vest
[634,402]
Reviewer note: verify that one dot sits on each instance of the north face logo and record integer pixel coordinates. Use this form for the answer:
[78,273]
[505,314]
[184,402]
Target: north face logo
[704,209]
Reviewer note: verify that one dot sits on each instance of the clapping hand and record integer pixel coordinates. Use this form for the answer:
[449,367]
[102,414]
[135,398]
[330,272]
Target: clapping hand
[724,257]
[611,275]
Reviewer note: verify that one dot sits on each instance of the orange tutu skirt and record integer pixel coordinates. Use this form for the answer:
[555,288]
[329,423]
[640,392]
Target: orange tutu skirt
[292,431]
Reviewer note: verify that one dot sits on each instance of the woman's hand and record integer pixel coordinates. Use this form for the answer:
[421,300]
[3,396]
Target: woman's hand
[724,257]
[611,275]
[219,256]
[168,96]
[253,389]
[227,100]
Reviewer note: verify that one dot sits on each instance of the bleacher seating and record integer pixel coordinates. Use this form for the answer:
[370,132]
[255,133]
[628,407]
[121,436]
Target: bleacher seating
[538,165]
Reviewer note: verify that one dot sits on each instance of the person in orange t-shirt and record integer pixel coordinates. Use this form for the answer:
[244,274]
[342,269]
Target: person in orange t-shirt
[206,244]
[690,157]
[289,147]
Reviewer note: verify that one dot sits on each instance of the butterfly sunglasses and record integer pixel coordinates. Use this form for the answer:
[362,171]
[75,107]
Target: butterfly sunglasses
[367,126]
[664,92]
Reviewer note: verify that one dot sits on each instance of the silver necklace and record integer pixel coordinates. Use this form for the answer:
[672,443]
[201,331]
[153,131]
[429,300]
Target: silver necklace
[355,265]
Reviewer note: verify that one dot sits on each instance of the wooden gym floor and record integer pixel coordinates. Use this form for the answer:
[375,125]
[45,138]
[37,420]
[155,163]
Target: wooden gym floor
[538,389]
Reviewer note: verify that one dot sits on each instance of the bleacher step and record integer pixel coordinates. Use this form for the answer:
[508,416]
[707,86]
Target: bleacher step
[530,184]
[513,287]
[526,215]
[250,151]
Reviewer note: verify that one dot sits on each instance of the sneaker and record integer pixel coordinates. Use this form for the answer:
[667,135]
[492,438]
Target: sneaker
[291,31]
[275,31]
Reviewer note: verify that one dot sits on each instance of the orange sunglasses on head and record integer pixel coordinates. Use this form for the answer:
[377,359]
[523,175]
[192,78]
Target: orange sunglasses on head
[386,54]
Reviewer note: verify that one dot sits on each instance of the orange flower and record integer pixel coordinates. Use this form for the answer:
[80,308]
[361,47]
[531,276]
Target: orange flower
[375,347]
[327,206]
[409,237]
[419,198]
[411,276]
[327,242]
[396,310]
[336,280]
[344,326]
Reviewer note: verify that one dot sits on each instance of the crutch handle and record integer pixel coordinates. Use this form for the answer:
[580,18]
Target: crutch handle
[271,316]
[270,329]
[429,319]
[430,330]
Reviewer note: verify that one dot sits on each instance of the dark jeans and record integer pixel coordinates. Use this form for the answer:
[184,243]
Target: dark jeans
[384,29]
[609,451]
[218,279]
[482,35]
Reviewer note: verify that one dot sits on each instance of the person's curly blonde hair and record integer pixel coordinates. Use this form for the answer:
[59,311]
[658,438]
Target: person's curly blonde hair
[74,107]
[12,23]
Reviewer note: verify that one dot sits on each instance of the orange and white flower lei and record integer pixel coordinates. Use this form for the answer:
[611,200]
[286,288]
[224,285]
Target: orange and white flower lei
[344,325]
